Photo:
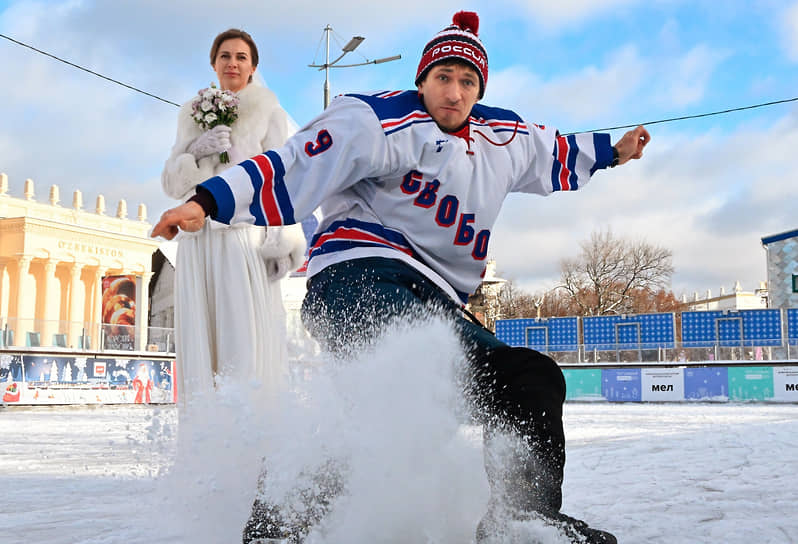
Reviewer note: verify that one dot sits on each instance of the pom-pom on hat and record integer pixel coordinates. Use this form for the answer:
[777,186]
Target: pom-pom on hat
[457,41]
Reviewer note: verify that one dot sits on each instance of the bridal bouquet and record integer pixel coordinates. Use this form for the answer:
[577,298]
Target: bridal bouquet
[213,107]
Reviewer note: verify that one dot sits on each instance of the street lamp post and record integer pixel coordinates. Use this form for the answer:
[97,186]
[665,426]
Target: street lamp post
[348,48]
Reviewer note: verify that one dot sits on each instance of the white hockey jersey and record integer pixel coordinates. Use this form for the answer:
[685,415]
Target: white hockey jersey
[390,183]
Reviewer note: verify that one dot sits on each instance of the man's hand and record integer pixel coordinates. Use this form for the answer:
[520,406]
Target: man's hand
[631,145]
[189,217]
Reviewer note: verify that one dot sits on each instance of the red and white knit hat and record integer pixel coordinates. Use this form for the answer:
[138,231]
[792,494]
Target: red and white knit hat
[457,41]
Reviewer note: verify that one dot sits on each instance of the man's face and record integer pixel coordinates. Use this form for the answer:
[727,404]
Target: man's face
[450,91]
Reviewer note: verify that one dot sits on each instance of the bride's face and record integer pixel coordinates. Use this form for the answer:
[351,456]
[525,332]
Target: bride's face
[233,64]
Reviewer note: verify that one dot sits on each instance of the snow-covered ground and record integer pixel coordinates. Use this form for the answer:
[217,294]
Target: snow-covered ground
[669,473]
[650,473]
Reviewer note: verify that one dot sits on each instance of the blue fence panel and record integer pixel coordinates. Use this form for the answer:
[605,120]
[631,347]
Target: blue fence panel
[731,328]
[644,331]
[792,326]
[548,334]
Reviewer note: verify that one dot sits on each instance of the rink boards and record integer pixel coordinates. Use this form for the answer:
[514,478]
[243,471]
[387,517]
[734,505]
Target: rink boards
[53,378]
[56,378]
[771,383]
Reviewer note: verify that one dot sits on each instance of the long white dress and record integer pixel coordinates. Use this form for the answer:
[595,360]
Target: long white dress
[229,316]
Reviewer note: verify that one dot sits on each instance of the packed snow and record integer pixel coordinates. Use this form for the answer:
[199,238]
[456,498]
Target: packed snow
[689,472]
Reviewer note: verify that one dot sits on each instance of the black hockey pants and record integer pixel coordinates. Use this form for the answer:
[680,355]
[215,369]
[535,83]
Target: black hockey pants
[517,393]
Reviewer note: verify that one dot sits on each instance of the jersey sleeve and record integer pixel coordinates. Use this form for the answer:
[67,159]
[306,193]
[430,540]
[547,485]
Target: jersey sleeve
[342,146]
[561,163]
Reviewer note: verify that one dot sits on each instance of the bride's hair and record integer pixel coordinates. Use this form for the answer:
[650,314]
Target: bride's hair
[232,34]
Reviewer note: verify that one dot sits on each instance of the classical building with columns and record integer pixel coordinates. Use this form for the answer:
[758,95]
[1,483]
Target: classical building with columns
[52,262]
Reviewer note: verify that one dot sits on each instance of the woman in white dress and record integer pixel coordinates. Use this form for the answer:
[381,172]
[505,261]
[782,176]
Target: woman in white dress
[229,315]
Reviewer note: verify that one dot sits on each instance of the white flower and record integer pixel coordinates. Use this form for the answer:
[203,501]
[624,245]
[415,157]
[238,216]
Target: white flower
[206,105]
[210,117]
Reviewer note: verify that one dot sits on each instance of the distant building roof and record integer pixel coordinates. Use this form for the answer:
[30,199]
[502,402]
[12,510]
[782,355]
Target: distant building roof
[169,250]
[779,237]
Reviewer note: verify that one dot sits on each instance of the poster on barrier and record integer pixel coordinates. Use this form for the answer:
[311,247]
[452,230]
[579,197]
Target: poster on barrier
[751,383]
[621,384]
[706,383]
[141,381]
[582,383]
[47,379]
[662,384]
[785,383]
[10,378]
[118,312]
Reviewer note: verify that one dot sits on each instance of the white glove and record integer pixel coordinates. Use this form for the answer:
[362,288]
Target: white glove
[211,141]
[283,250]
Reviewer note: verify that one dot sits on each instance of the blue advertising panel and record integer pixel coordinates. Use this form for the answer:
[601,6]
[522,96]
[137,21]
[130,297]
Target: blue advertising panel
[792,326]
[10,368]
[730,328]
[645,331]
[706,383]
[49,379]
[545,334]
[621,384]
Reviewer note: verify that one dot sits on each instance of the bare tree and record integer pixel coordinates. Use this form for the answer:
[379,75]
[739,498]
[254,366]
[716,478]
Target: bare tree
[611,274]
[514,302]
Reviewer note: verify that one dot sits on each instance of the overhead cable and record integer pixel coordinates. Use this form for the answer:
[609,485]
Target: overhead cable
[668,120]
[89,71]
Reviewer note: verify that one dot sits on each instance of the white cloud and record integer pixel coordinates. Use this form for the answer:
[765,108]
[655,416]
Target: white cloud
[566,11]
[623,89]
[708,195]
[587,95]
[709,198]
[789,24]
[684,80]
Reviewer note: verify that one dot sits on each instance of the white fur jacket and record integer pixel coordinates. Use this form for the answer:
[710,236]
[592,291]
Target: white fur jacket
[261,125]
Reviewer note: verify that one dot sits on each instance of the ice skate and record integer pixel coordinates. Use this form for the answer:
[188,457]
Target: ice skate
[525,528]
[299,512]
[266,526]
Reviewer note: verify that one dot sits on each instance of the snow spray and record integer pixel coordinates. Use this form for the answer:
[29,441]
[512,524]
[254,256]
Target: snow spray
[390,423]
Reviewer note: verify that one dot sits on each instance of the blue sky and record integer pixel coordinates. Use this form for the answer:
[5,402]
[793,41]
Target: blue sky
[707,189]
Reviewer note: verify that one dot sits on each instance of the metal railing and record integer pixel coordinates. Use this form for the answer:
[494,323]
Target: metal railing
[674,353]
[83,336]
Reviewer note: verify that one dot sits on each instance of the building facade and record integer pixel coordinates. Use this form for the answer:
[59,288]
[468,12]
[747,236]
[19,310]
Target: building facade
[484,303]
[738,299]
[782,266]
[53,260]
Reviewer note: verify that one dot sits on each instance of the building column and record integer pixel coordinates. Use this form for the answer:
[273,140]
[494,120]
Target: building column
[75,313]
[93,326]
[3,296]
[50,323]
[26,304]
[143,311]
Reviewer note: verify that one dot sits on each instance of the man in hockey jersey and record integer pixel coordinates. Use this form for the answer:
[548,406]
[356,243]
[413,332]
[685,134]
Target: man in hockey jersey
[410,185]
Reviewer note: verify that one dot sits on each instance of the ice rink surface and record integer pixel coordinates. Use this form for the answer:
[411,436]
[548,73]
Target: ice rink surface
[650,473]
[394,418]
